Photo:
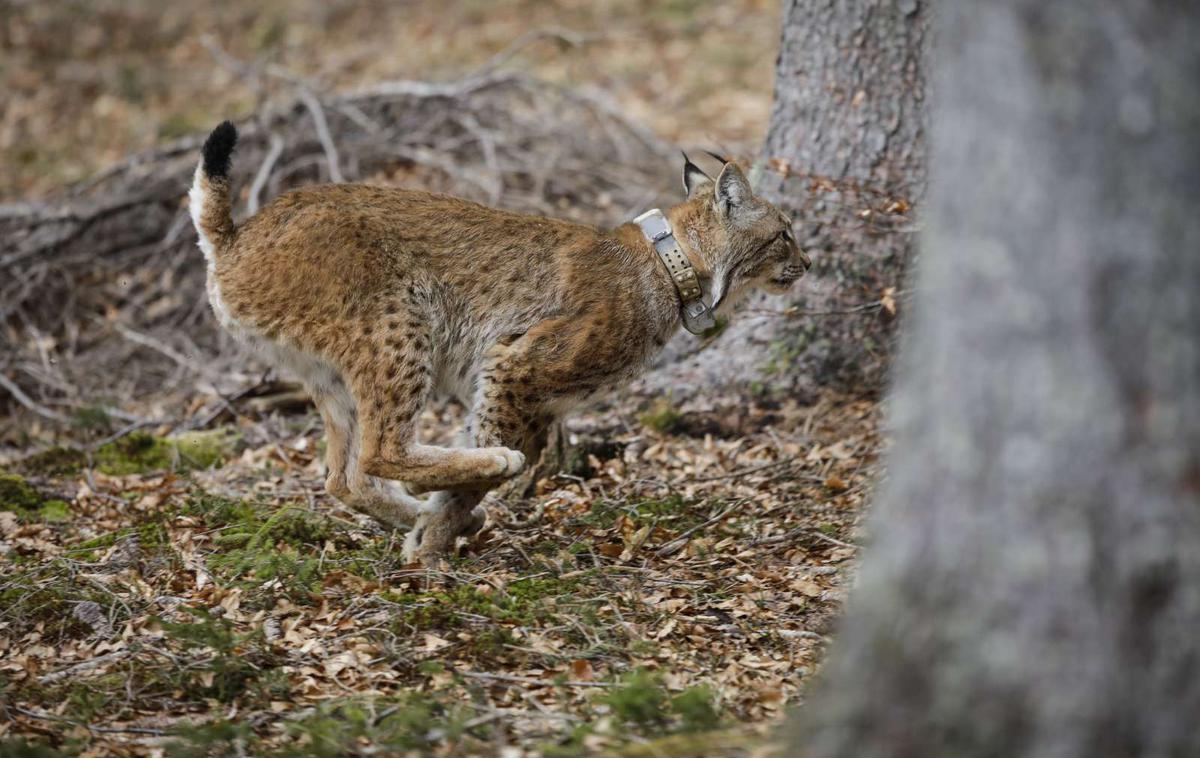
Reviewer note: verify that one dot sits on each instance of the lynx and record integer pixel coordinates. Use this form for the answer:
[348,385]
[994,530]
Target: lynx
[378,298]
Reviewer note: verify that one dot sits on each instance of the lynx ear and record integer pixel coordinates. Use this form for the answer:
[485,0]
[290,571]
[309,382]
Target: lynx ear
[733,190]
[693,177]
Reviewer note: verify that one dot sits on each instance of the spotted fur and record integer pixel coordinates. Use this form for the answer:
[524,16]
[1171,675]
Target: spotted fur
[378,298]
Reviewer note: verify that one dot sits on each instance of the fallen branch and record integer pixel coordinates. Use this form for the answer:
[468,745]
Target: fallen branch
[119,248]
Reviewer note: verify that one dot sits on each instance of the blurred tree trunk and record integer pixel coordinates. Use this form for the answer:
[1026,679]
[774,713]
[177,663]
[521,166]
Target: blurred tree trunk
[1034,586]
[849,111]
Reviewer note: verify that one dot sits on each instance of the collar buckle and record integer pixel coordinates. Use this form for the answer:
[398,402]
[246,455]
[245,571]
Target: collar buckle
[697,315]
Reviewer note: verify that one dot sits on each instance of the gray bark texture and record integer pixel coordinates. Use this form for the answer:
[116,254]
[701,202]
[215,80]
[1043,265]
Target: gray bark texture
[845,153]
[1033,586]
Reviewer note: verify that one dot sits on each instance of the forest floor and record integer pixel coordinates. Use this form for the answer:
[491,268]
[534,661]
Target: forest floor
[196,592]
[199,591]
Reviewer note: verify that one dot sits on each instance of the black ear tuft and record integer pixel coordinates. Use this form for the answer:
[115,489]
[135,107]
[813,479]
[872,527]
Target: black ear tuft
[721,158]
[218,149]
[693,176]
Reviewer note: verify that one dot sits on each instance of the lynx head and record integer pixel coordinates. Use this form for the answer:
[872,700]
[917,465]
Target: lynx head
[744,240]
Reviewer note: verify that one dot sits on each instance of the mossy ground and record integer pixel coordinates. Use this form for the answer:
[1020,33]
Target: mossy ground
[667,594]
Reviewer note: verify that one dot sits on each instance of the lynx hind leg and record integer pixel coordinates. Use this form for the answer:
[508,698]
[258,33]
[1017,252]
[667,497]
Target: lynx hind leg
[383,500]
[449,515]
[500,418]
[391,382]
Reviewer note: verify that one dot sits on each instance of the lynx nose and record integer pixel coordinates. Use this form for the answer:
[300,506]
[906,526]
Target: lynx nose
[805,260]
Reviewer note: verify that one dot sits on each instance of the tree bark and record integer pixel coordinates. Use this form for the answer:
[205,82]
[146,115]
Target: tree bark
[845,153]
[1034,583]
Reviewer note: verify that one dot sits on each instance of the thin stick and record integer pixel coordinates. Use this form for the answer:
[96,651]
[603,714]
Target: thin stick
[671,547]
[79,668]
[28,402]
[743,472]
[264,173]
[318,115]
[89,727]
[529,680]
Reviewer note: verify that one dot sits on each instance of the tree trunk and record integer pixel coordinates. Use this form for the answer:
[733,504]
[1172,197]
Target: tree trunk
[1034,585]
[845,153]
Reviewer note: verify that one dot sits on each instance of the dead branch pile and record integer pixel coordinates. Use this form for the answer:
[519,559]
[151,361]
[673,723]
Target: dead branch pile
[101,290]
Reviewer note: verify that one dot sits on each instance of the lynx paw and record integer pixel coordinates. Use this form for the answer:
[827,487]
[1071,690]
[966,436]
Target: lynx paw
[475,523]
[507,462]
[433,536]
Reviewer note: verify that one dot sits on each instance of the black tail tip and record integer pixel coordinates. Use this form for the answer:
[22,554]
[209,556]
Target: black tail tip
[218,149]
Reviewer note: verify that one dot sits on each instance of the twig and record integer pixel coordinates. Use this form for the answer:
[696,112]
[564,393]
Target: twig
[788,536]
[671,547]
[530,680]
[318,116]
[89,727]
[264,173]
[564,37]
[29,403]
[147,341]
[79,668]
[745,471]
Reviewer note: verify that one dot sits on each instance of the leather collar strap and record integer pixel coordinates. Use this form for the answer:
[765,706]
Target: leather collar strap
[697,315]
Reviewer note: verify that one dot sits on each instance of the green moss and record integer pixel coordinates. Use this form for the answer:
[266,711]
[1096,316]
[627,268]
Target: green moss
[448,609]
[410,724]
[257,544]
[20,747]
[54,510]
[237,663]
[662,417]
[217,511]
[92,419]
[46,595]
[19,496]
[56,461]
[490,616]
[141,452]
[523,593]
[673,510]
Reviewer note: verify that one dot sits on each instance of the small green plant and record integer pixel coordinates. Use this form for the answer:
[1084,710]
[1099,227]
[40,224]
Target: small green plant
[236,662]
[92,419]
[412,723]
[215,738]
[696,710]
[639,699]
[20,747]
[662,416]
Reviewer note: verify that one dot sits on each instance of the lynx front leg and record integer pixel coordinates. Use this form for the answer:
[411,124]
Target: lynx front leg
[456,513]
[508,412]
[389,378]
